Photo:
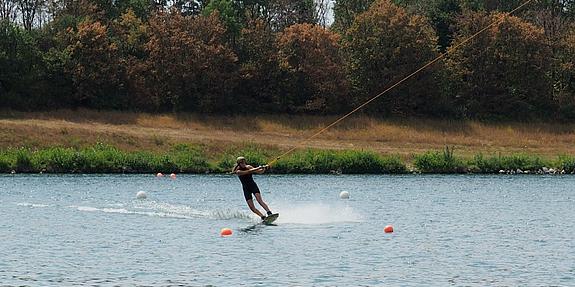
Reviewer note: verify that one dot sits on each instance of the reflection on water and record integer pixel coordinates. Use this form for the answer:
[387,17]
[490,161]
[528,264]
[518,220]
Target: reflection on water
[91,230]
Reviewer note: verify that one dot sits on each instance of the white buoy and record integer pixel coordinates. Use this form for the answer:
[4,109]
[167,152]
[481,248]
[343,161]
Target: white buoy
[344,195]
[141,195]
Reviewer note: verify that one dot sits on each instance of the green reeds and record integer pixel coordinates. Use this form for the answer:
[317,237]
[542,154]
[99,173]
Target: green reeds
[348,162]
[103,159]
[439,162]
[494,164]
[567,164]
[447,162]
[5,162]
[255,156]
[183,158]
[189,159]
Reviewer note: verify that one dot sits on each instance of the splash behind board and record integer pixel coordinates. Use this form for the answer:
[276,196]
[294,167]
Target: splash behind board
[271,218]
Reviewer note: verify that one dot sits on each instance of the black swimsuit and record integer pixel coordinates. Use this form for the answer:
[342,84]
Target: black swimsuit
[248,184]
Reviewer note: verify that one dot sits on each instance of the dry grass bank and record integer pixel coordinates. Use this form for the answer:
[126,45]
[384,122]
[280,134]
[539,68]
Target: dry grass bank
[135,131]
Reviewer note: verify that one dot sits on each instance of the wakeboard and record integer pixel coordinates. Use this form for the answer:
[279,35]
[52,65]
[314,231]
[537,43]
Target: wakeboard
[270,218]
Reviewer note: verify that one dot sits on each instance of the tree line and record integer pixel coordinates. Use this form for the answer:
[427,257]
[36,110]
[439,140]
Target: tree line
[287,56]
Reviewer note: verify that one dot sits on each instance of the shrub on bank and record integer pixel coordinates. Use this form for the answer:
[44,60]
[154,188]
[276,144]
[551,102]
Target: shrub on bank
[140,162]
[189,159]
[567,164]
[56,160]
[23,162]
[307,161]
[254,155]
[5,162]
[348,162]
[311,161]
[103,159]
[369,162]
[512,162]
[439,162]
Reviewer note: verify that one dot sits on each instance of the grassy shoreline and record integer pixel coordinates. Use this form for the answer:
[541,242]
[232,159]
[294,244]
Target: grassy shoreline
[404,137]
[87,141]
[193,159]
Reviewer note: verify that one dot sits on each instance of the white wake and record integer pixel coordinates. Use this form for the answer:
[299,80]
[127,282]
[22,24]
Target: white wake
[316,213]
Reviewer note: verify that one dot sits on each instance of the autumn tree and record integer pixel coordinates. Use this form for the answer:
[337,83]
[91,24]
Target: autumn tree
[253,9]
[228,15]
[186,7]
[94,66]
[284,13]
[260,75]
[140,8]
[72,12]
[130,35]
[502,73]
[556,20]
[564,7]
[565,81]
[384,45]
[190,66]
[443,15]
[309,54]
[345,12]
[491,5]
[109,10]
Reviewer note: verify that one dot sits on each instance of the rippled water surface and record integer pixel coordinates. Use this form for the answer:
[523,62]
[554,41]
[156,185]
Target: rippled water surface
[449,231]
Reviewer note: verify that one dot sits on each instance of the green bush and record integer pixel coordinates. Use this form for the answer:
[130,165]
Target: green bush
[23,161]
[349,162]
[5,162]
[100,158]
[189,159]
[512,162]
[439,162]
[567,163]
[308,161]
[56,160]
[369,162]
[138,162]
[254,155]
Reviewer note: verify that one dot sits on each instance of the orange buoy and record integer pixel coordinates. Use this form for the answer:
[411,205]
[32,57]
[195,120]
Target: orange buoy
[226,232]
[388,229]
[173,176]
[159,174]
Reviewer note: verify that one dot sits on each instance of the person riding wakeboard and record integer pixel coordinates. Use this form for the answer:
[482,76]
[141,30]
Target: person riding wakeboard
[244,173]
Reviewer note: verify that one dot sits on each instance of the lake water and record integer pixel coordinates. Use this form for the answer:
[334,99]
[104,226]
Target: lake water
[90,230]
